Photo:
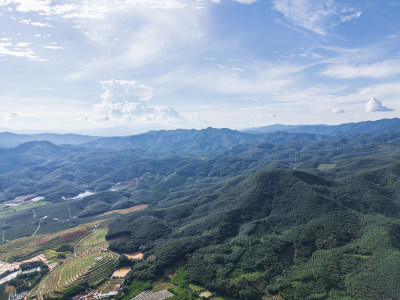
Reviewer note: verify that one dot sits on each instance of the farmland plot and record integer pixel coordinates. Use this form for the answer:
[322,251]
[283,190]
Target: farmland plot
[92,263]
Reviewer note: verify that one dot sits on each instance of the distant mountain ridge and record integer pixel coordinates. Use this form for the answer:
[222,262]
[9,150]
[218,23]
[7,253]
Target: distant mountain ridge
[183,140]
[10,140]
[196,142]
[373,127]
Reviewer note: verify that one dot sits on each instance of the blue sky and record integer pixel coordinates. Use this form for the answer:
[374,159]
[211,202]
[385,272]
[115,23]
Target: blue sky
[122,67]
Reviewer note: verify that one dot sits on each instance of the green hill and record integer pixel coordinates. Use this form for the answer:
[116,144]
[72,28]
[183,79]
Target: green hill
[279,232]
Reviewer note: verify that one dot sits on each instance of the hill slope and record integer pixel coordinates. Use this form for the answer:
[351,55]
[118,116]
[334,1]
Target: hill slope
[278,232]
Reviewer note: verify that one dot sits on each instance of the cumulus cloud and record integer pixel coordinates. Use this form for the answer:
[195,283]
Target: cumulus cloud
[315,15]
[374,105]
[117,90]
[337,111]
[136,112]
[127,100]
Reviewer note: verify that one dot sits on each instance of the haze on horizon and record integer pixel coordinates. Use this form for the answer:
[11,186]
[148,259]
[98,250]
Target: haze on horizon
[123,67]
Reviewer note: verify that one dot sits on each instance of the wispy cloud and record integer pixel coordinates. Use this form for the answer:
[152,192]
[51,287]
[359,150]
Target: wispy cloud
[244,79]
[28,5]
[37,24]
[20,49]
[315,15]
[162,28]
[383,69]
[351,17]
[246,1]
[52,47]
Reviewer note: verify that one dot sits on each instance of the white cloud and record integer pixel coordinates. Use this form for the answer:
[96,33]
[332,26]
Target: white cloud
[123,99]
[116,91]
[337,111]
[28,5]
[53,47]
[22,45]
[134,33]
[382,69]
[315,15]
[247,79]
[246,1]
[137,112]
[374,105]
[37,24]
[87,8]
[353,16]
[18,50]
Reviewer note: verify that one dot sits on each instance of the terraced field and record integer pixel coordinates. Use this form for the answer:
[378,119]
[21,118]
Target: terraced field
[91,264]
[27,247]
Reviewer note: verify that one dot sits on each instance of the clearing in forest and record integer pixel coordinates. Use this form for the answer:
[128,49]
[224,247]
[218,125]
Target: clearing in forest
[121,273]
[136,255]
[127,210]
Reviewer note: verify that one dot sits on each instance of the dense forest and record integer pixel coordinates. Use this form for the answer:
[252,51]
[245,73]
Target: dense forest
[295,215]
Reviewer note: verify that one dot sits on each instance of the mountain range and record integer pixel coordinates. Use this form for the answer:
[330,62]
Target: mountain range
[305,212]
[208,139]
[373,127]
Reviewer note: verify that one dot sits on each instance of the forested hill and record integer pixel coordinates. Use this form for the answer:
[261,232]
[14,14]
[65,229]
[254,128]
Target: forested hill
[372,127]
[210,139]
[182,140]
[190,142]
[277,215]
[276,232]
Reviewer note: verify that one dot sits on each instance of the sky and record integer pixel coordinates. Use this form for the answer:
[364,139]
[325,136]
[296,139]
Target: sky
[128,66]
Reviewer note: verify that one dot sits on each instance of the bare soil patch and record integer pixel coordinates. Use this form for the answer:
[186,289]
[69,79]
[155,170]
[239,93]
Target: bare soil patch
[136,255]
[121,273]
[129,184]
[127,210]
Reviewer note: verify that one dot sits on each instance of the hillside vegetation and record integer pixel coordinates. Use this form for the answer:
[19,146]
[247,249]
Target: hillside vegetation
[278,215]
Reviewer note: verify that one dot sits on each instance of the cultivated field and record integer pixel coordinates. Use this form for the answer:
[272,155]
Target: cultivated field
[27,247]
[91,263]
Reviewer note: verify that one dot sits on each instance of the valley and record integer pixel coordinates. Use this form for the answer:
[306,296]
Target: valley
[213,213]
